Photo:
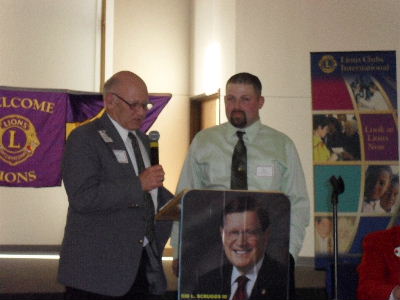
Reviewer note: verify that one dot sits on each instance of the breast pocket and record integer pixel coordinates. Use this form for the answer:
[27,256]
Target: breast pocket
[215,170]
[117,167]
[266,174]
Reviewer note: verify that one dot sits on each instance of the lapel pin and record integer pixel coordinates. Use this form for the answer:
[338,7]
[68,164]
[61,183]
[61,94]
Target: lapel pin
[397,251]
[105,136]
[263,291]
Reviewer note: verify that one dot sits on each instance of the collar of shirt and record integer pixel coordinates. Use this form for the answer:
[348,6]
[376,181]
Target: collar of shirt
[251,132]
[251,275]
[373,201]
[123,133]
[121,130]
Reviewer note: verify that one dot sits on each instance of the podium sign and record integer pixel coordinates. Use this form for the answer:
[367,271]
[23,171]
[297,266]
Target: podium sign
[226,230]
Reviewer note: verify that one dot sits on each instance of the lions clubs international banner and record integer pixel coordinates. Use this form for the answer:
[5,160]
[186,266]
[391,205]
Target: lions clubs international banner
[32,135]
[33,125]
[355,137]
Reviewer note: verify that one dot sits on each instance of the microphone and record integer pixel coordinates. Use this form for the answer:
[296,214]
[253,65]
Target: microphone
[154,137]
[337,184]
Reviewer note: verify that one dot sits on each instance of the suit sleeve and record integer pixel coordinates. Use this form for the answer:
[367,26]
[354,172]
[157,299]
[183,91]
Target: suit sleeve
[373,271]
[93,179]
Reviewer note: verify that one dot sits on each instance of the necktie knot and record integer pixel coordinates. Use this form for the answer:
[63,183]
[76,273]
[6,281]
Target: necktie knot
[240,134]
[242,280]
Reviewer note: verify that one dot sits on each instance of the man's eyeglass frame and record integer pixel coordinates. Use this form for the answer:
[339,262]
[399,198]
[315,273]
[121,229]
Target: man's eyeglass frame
[135,105]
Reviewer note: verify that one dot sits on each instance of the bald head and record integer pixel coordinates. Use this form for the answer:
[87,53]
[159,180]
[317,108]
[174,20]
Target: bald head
[122,88]
[122,80]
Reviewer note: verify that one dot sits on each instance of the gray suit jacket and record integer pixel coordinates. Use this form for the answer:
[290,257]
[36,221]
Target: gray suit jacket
[103,238]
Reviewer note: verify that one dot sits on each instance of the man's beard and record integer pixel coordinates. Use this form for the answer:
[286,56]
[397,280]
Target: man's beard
[238,118]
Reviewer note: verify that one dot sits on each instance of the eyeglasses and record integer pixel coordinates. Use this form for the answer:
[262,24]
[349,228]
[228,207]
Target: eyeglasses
[247,234]
[135,105]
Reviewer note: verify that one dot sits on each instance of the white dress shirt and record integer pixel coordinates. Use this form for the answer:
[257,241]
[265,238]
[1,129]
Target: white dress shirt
[146,160]
[251,275]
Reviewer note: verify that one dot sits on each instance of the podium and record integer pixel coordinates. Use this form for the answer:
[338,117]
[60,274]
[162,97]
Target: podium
[210,247]
[171,211]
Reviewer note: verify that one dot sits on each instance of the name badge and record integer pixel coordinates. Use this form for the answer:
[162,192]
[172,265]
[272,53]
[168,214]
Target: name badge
[265,171]
[121,156]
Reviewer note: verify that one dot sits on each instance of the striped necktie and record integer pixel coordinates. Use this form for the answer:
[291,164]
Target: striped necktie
[239,164]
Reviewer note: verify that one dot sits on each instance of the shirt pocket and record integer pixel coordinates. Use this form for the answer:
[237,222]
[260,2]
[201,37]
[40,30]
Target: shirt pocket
[215,170]
[265,174]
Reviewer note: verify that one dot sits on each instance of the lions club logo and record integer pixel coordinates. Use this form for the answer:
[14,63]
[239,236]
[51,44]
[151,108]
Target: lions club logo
[18,139]
[327,64]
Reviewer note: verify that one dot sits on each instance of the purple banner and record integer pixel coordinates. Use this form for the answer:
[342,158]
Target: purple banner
[33,130]
[32,135]
[82,106]
[159,102]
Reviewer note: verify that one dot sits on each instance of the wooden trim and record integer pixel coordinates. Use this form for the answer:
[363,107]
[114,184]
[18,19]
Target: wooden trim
[196,103]
[103,45]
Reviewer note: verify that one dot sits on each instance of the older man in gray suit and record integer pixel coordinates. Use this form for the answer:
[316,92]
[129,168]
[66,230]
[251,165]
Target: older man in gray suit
[112,247]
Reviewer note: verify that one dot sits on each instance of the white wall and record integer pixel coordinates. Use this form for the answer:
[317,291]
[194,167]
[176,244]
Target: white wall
[44,44]
[273,39]
[212,45]
[49,43]
[151,38]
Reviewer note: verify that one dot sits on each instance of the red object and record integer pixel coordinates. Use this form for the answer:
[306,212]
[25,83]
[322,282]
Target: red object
[241,290]
[328,94]
[379,271]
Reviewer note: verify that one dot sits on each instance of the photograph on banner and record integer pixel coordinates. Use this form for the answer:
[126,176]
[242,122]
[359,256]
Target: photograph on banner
[347,229]
[226,235]
[368,93]
[323,235]
[381,189]
[335,137]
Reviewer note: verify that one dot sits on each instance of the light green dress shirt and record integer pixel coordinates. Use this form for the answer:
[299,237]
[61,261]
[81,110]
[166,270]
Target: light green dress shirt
[272,165]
